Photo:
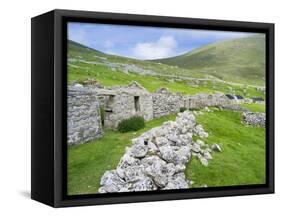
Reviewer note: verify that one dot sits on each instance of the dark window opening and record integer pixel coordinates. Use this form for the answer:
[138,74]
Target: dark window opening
[109,103]
[137,103]
[189,103]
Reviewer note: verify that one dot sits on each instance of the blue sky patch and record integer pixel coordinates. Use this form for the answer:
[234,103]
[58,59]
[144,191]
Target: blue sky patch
[143,42]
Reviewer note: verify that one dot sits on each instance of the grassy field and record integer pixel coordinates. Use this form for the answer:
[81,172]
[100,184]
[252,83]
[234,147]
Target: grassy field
[242,160]
[88,162]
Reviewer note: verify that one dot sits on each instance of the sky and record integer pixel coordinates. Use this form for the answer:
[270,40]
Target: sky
[141,42]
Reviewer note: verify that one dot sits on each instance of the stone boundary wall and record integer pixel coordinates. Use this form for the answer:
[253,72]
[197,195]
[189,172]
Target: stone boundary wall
[166,103]
[83,116]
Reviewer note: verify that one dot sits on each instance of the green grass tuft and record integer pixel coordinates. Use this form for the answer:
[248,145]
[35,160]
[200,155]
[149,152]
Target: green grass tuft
[182,109]
[131,124]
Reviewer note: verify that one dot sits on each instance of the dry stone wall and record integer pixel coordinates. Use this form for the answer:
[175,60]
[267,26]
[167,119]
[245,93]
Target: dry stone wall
[165,103]
[83,115]
[157,159]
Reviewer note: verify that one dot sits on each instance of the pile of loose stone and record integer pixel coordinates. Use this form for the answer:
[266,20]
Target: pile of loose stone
[157,159]
[256,119]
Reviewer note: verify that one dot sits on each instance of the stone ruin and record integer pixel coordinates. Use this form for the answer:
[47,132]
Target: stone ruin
[256,119]
[157,159]
[85,104]
[123,102]
[83,115]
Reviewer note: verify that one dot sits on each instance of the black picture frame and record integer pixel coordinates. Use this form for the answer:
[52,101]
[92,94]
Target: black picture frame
[48,147]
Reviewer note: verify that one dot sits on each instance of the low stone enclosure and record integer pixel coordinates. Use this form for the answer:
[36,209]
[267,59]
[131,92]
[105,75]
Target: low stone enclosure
[87,105]
[157,159]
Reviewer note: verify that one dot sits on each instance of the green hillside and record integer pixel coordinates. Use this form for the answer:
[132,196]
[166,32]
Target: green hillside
[110,70]
[80,48]
[237,60]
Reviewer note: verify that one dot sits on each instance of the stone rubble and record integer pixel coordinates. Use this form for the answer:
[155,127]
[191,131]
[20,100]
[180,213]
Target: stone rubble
[256,119]
[157,159]
[233,108]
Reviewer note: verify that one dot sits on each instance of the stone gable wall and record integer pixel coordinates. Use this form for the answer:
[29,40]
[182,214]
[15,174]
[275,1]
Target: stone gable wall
[83,116]
[123,107]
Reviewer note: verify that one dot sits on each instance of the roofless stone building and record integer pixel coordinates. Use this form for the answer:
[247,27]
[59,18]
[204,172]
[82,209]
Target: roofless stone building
[85,104]
[123,102]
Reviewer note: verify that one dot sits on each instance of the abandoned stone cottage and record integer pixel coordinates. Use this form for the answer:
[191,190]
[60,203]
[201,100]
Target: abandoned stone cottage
[122,102]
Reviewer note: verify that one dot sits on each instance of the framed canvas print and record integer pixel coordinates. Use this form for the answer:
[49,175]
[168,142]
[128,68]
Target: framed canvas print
[133,108]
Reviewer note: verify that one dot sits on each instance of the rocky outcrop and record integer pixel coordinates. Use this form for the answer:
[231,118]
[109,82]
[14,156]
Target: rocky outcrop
[157,159]
[256,119]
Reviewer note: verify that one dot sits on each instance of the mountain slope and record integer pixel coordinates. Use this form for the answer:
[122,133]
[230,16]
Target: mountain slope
[238,60]
[77,47]
[110,70]
[81,55]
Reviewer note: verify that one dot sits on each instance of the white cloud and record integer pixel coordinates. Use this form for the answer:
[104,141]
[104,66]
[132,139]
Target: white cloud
[164,47]
[109,51]
[108,44]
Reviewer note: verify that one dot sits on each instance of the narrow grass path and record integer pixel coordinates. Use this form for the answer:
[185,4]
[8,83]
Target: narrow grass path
[242,160]
[88,162]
